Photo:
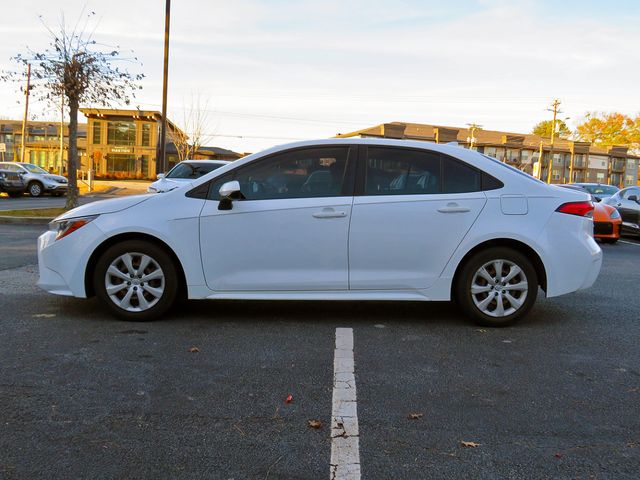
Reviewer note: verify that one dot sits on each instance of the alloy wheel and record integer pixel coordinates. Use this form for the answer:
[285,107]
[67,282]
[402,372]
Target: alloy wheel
[134,282]
[499,288]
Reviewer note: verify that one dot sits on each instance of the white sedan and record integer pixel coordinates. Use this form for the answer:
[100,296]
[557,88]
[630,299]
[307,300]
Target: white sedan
[184,172]
[339,219]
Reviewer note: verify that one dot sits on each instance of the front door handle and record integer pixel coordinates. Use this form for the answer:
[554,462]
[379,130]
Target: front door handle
[453,207]
[329,213]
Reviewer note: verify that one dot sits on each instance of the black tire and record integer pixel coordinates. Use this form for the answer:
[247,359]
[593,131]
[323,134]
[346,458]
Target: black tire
[465,299]
[161,259]
[35,189]
[15,194]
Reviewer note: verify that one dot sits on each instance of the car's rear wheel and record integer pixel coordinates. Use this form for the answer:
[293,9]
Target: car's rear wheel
[497,286]
[35,189]
[136,280]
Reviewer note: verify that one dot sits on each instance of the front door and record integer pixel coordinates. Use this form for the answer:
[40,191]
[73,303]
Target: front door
[412,212]
[290,233]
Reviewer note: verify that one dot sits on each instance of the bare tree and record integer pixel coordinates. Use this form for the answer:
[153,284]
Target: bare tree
[194,134]
[84,71]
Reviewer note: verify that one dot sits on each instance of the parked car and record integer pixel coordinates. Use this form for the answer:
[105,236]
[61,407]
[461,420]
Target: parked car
[184,173]
[386,220]
[37,179]
[627,202]
[598,190]
[11,183]
[606,219]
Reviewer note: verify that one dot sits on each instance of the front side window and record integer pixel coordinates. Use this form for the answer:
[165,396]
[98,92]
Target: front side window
[303,173]
[631,191]
[396,171]
[121,133]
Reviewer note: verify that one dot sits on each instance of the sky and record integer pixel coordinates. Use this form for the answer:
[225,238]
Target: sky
[273,71]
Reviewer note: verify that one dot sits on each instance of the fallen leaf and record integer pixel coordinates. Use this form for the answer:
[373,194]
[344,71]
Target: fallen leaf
[558,455]
[415,416]
[315,424]
[44,315]
[194,350]
[469,444]
[289,399]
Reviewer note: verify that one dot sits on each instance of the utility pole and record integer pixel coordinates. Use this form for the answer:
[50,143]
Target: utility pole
[26,111]
[555,105]
[61,133]
[163,129]
[472,139]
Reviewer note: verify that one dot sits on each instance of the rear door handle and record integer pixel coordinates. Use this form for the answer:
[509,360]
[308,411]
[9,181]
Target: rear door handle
[453,207]
[329,213]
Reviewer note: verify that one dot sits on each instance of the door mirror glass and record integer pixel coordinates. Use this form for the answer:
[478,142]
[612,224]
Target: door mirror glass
[633,198]
[228,189]
[160,176]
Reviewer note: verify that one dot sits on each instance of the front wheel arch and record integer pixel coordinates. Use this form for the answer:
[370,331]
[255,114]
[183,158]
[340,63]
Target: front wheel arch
[109,242]
[521,247]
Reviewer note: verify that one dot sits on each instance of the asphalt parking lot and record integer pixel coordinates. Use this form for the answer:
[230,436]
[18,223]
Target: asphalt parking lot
[202,394]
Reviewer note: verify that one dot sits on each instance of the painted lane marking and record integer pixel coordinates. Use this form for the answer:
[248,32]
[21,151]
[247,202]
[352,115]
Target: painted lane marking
[629,243]
[345,449]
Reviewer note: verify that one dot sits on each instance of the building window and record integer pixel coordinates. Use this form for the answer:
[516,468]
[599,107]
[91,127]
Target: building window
[97,128]
[600,177]
[146,134]
[555,174]
[121,133]
[123,164]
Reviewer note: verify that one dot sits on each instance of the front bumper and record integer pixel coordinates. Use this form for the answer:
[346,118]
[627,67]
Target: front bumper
[56,187]
[62,263]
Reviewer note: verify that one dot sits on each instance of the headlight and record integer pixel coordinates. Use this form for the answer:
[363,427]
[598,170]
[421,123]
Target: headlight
[69,225]
[615,214]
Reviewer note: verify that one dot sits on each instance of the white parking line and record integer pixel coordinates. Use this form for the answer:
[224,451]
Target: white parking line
[345,450]
[629,243]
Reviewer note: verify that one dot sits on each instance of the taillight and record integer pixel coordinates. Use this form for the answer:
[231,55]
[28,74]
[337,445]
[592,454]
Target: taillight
[581,209]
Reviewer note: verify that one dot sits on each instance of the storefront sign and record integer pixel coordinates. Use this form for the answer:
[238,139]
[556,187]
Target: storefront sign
[121,150]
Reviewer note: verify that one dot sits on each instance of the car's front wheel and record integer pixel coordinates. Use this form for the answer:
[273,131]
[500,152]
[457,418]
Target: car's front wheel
[497,286]
[35,189]
[136,280]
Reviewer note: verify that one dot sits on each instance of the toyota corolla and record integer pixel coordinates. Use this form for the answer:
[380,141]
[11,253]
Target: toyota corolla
[339,219]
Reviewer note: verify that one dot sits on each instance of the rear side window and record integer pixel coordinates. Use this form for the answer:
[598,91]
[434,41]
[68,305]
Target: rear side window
[396,171]
[459,177]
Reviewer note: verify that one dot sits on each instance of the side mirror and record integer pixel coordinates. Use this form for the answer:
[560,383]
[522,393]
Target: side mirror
[633,198]
[229,191]
[160,176]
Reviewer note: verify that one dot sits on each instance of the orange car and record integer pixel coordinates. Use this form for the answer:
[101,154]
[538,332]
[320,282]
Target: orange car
[606,223]
[606,219]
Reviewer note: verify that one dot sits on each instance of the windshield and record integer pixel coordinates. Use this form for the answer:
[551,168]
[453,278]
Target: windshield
[601,189]
[192,169]
[33,168]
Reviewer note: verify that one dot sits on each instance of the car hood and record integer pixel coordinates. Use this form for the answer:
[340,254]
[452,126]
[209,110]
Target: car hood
[57,178]
[105,206]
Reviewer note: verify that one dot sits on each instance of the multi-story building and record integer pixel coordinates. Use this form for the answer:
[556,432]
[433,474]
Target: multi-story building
[42,143]
[570,161]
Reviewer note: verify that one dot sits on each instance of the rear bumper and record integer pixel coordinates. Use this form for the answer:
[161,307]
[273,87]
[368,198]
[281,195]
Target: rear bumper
[572,257]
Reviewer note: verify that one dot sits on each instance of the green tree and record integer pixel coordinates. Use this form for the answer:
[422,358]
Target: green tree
[543,129]
[84,71]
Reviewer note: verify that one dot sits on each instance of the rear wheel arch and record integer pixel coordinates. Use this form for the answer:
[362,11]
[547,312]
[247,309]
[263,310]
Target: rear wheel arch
[109,242]
[517,245]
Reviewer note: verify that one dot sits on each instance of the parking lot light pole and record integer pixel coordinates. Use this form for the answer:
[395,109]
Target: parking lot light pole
[163,129]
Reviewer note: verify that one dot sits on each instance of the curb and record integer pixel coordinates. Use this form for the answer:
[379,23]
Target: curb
[8,220]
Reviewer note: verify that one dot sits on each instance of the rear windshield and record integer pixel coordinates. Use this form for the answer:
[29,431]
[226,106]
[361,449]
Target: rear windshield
[192,169]
[513,169]
[601,189]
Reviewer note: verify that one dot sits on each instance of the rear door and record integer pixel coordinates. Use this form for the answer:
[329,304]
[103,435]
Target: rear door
[412,209]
